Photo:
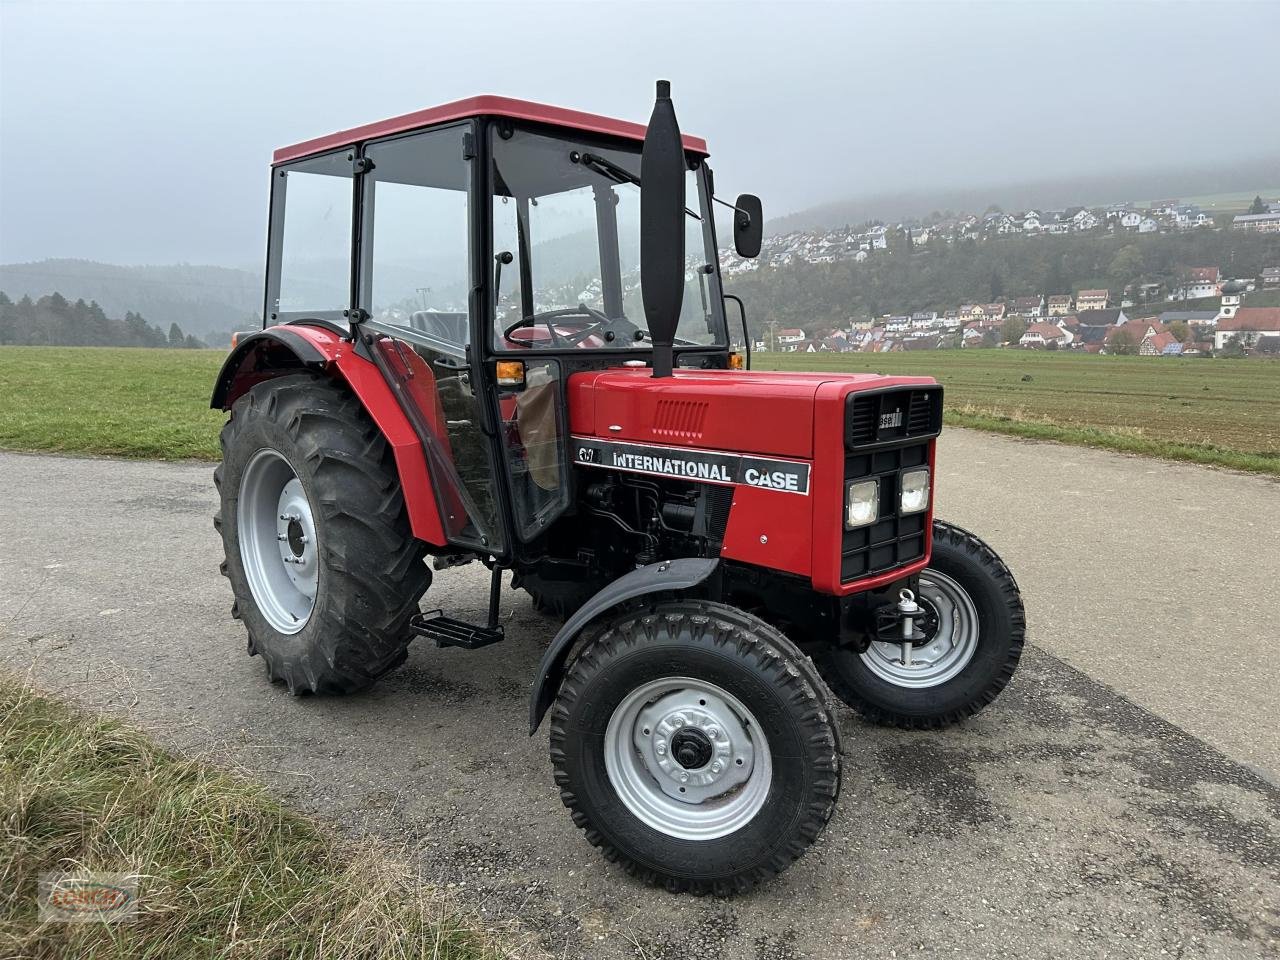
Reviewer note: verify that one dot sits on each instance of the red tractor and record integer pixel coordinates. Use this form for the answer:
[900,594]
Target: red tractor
[495,331]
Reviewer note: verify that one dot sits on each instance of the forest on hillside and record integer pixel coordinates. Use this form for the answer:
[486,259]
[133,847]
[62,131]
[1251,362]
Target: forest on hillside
[55,320]
[941,276]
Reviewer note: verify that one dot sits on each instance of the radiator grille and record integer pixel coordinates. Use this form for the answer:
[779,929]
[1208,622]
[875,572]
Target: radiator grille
[891,416]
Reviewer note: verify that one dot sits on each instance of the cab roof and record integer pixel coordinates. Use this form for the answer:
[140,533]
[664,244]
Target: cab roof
[481,106]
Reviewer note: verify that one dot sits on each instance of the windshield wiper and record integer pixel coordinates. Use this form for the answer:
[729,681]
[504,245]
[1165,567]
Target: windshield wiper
[607,168]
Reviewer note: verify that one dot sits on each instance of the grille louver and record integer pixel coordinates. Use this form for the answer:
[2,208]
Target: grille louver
[862,419]
[919,414]
[679,419]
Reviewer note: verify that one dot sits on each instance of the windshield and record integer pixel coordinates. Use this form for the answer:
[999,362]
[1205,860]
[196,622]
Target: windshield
[566,249]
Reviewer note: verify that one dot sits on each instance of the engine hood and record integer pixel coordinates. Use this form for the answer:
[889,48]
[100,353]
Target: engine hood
[745,411]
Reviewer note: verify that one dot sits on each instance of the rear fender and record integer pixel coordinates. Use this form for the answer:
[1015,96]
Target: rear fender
[669,576]
[322,348]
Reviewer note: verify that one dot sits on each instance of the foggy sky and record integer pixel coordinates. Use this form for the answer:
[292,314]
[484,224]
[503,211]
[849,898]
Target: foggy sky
[141,132]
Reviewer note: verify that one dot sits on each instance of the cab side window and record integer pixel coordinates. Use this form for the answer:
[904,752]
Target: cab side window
[310,269]
[416,271]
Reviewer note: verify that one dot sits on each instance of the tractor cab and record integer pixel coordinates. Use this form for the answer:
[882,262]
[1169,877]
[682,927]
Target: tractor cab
[495,333]
[481,252]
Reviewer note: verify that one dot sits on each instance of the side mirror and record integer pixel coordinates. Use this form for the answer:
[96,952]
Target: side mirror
[748,226]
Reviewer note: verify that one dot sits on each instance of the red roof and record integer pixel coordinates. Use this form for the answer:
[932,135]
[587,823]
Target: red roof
[1046,331]
[489,106]
[1252,318]
[1203,274]
[1093,295]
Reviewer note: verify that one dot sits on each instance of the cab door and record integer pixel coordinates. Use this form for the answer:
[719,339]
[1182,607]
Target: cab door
[415,287]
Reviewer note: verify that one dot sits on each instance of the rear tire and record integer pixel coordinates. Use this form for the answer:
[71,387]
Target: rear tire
[557,598]
[326,596]
[742,697]
[968,589]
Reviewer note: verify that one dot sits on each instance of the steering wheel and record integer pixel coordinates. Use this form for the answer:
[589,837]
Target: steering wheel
[597,322]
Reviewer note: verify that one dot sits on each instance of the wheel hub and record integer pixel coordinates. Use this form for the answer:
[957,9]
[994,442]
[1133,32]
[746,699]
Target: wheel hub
[687,758]
[689,737]
[278,546]
[691,748]
[950,625]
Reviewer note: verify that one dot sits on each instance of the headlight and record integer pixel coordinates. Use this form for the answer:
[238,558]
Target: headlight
[861,503]
[915,491]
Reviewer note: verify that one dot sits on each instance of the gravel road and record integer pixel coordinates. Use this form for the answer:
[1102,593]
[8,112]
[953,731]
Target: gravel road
[1122,799]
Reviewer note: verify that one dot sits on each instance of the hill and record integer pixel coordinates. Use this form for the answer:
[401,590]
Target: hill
[56,321]
[202,300]
[1086,190]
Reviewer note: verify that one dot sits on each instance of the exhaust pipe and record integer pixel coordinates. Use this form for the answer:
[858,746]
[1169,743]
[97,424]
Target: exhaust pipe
[662,175]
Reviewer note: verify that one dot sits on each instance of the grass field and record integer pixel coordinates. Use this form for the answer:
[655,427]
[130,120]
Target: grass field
[1221,412]
[1237,202]
[123,402]
[224,870]
[154,403]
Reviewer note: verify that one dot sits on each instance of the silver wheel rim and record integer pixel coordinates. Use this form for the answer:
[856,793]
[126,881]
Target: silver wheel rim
[946,653]
[648,742]
[278,547]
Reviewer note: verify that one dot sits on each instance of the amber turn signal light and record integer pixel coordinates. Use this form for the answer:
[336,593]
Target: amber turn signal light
[737,361]
[510,373]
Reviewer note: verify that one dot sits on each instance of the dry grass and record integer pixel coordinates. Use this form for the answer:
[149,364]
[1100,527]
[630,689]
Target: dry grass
[226,871]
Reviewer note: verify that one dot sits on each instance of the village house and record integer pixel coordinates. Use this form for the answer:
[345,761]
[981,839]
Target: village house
[1092,300]
[1196,283]
[787,339]
[1270,277]
[1248,326]
[1257,222]
[1028,306]
[1043,334]
[1060,305]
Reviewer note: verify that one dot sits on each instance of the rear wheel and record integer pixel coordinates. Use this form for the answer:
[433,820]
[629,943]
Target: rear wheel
[557,598]
[324,569]
[974,628]
[694,744]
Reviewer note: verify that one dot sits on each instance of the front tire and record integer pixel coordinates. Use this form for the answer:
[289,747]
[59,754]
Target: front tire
[694,744]
[323,566]
[976,632]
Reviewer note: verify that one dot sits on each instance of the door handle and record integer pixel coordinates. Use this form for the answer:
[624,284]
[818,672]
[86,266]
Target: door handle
[448,363]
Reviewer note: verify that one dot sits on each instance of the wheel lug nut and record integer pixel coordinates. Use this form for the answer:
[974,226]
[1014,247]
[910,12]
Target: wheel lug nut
[717,767]
[684,778]
[660,748]
[713,733]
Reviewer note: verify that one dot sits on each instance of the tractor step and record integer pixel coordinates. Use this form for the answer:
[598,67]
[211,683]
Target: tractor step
[448,632]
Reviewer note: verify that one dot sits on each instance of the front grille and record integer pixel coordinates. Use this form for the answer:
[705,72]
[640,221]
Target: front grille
[881,417]
[892,541]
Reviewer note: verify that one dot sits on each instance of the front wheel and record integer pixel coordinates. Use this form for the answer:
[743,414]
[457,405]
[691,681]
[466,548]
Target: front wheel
[974,628]
[694,744]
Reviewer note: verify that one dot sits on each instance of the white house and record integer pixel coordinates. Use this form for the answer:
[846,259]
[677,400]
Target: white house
[1248,325]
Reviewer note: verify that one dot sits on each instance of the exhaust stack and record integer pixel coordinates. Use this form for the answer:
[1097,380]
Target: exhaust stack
[662,175]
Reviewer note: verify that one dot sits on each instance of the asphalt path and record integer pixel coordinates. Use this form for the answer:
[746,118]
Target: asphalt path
[1121,799]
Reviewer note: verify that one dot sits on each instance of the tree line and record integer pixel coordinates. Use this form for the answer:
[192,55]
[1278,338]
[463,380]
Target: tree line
[55,320]
[941,276]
